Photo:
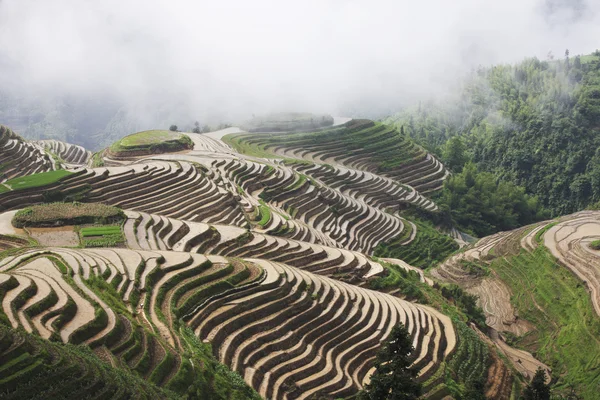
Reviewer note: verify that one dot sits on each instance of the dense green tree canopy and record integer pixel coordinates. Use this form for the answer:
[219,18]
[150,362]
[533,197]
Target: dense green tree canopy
[535,124]
[482,204]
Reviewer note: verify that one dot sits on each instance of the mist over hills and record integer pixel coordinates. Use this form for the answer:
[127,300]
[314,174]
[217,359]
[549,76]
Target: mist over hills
[241,200]
[93,74]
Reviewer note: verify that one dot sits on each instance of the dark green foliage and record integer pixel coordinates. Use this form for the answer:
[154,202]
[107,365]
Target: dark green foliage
[393,378]
[475,391]
[481,204]
[534,124]
[466,302]
[173,128]
[537,388]
[427,249]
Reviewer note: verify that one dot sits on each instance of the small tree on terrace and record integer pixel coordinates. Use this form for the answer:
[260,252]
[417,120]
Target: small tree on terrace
[196,127]
[173,128]
[394,379]
[537,388]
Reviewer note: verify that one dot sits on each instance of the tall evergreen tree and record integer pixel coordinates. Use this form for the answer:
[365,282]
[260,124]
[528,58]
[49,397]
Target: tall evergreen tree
[537,389]
[394,379]
[454,154]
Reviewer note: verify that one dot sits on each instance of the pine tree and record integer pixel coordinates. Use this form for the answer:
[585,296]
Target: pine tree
[394,379]
[537,388]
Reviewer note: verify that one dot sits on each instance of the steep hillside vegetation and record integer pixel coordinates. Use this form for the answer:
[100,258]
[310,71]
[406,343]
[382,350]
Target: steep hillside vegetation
[534,124]
[538,286]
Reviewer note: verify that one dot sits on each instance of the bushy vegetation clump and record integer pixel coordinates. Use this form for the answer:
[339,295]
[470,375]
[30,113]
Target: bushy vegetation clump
[481,204]
[428,248]
[58,214]
[466,302]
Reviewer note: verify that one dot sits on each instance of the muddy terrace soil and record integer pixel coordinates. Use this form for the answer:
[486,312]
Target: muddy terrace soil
[61,236]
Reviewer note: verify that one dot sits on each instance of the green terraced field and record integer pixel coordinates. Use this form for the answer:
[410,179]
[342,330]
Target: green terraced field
[100,230]
[37,180]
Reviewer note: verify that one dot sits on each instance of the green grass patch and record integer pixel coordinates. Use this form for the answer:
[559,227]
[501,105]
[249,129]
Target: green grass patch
[595,245]
[100,230]
[398,277]
[104,241]
[264,212]
[36,180]
[97,160]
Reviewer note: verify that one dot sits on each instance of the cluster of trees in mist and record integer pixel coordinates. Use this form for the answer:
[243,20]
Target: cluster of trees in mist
[520,138]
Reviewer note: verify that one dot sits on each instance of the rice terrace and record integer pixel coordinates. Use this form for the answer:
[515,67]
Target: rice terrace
[234,201]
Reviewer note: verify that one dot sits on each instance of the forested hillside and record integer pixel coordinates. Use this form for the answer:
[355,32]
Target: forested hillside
[535,124]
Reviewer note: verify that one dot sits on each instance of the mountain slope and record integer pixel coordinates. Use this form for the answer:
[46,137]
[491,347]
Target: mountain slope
[268,260]
[534,124]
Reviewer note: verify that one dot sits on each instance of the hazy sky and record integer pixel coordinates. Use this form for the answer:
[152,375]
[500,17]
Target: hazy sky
[251,56]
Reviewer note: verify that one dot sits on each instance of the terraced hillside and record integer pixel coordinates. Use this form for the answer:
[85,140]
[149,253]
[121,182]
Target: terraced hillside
[232,192]
[155,232]
[264,264]
[526,281]
[359,144]
[125,304]
[67,152]
[19,157]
